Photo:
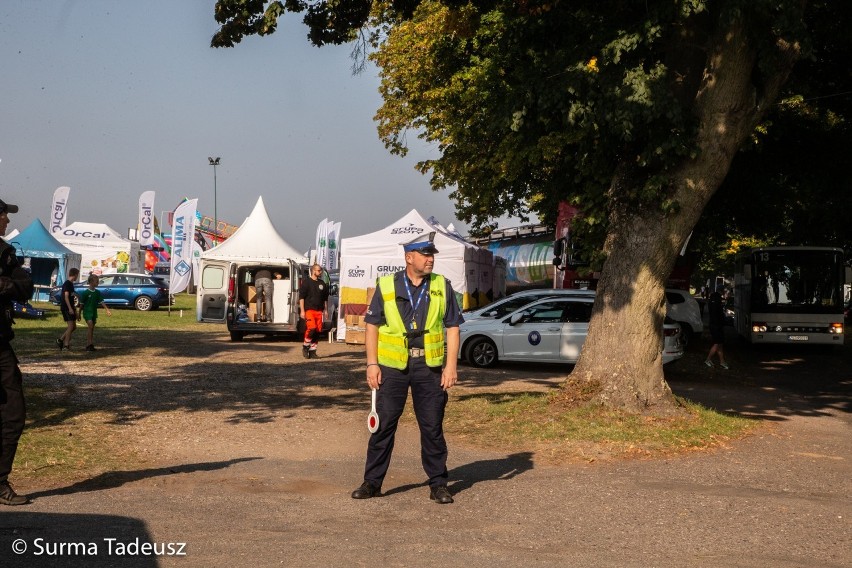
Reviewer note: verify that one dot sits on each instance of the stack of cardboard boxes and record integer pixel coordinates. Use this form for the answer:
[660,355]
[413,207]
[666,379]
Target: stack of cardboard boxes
[356,328]
[247,292]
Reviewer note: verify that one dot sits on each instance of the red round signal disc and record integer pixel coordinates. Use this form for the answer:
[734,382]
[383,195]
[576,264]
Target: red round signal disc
[373,417]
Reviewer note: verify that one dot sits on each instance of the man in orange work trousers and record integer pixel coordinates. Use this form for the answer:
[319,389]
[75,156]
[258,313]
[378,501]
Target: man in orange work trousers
[313,300]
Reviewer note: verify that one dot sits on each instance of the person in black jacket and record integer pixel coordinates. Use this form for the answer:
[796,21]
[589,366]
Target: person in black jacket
[15,285]
[717,330]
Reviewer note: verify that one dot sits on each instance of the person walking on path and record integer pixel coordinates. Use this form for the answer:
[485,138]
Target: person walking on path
[411,315]
[89,301]
[68,309]
[717,330]
[313,302]
[15,285]
[263,292]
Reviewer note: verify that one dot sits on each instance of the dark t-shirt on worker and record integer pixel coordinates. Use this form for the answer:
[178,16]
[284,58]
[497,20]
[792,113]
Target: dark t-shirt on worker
[314,293]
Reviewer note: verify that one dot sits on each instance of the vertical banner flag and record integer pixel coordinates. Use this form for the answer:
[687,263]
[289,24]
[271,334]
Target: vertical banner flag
[146,219]
[183,238]
[333,246]
[197,249]
[322,243]
[59,210]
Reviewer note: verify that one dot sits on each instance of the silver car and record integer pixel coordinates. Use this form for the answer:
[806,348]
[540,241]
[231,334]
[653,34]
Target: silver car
[551,330]
[509,304]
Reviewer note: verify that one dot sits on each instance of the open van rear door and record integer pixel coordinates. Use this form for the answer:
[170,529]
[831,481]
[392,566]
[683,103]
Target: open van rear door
[212,298]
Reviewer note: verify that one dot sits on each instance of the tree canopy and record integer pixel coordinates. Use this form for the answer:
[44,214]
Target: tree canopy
[631,111]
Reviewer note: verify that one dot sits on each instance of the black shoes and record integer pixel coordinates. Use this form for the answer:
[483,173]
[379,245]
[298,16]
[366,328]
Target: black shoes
[90,347]
[367,491]
[441,495]
[306,352]
[60,343]
[9,497]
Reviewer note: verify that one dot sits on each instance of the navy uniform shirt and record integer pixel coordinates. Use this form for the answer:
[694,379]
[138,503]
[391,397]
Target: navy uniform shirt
[376,310]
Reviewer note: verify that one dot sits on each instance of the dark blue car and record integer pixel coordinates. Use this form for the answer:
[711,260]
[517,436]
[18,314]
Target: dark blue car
[139,291]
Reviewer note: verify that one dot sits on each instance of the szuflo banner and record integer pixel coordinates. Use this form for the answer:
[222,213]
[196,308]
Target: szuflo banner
[183,238]
[59,209]
[333,240]
[146,219]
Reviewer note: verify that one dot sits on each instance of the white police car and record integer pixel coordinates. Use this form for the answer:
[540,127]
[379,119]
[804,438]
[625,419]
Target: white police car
[551,330]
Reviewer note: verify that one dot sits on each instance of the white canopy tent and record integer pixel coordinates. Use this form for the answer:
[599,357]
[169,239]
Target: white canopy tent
[255,240]
[365,258]
[254,244]
[102,249]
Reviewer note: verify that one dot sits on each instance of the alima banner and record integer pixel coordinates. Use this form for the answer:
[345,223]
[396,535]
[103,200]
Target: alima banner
[59,209]
[183,237]
[146,219]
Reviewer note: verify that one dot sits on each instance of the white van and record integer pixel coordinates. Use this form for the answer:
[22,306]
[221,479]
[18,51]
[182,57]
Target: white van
[226,294]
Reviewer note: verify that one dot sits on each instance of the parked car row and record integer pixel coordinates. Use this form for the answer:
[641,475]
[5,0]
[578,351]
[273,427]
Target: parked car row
[548,330]
[139,291]
[680,307]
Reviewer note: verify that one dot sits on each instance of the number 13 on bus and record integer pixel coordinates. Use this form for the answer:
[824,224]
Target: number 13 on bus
[791,294]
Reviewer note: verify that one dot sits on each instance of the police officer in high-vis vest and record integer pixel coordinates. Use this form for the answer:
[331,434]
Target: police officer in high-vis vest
[412,342]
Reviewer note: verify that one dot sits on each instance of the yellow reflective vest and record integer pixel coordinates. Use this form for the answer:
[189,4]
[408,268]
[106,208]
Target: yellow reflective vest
[393,344]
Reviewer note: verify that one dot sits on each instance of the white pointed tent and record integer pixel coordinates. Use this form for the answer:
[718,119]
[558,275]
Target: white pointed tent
[365,258]
[255,240]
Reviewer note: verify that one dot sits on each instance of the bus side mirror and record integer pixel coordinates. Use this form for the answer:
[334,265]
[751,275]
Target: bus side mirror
[558,248]
[849,274]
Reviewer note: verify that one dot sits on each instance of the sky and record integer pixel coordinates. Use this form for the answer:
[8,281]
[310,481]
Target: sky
[113,98]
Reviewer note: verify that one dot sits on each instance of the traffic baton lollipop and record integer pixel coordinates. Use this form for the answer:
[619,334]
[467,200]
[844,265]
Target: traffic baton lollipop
[373,417]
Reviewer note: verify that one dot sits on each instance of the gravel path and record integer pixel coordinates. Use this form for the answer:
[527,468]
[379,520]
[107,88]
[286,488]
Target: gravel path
[251,453]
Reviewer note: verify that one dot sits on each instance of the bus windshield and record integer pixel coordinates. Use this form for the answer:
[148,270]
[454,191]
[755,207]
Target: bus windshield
[797,280]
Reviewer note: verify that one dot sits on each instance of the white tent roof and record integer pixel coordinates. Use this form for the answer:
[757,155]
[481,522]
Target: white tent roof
[99,234]
[387,242]
[255,240]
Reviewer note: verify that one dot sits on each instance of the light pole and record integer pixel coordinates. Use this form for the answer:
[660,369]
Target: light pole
[215,162]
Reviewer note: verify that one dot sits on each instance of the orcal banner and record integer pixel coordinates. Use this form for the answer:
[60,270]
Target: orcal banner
[59,209]
[183,239]
[146,219]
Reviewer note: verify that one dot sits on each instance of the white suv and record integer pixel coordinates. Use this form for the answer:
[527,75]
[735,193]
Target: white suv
[684,309]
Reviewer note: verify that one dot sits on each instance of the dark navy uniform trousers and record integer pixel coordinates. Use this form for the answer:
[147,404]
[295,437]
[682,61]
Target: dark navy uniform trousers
[13,411]
[430,400]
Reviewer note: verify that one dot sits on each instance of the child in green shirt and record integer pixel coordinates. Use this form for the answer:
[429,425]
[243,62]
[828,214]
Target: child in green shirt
[89,300]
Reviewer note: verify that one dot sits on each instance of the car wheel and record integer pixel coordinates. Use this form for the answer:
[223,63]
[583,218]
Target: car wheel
[482,352]
[685,334]
[236,335]
[143,303]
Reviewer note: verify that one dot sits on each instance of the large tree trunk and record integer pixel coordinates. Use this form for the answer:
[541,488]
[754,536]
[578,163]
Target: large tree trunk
[623,349]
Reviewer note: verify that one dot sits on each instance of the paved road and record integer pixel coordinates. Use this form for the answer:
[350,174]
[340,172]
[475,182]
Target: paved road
[780,498]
